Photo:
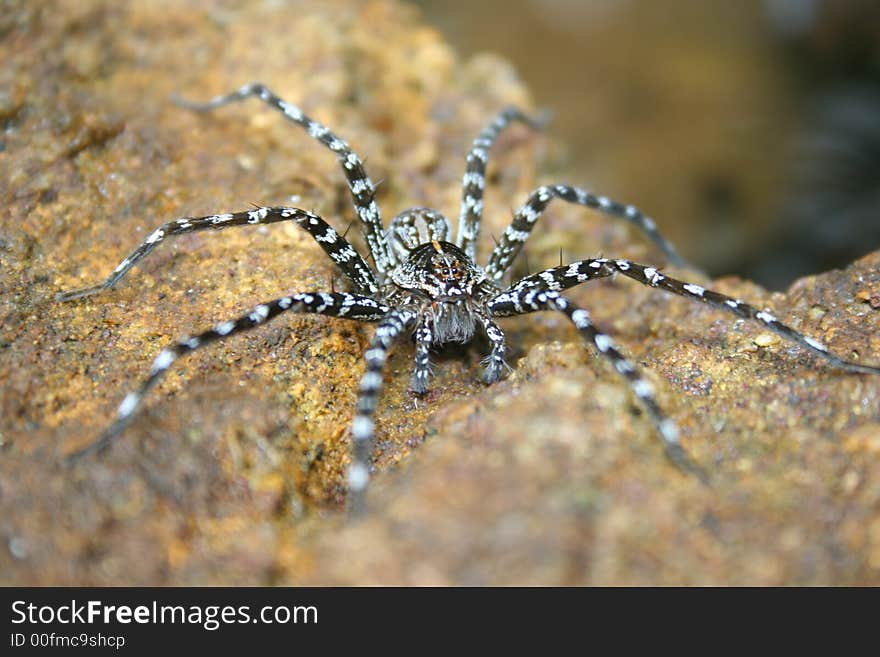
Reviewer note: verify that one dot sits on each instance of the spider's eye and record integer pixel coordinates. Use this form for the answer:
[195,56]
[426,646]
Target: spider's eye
[448,270]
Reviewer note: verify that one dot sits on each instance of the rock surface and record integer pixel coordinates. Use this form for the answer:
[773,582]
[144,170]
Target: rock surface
[233,473]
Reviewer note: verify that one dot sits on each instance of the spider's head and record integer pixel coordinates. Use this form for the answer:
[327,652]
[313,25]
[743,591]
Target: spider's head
[447,286]
[436,275]
[439,271]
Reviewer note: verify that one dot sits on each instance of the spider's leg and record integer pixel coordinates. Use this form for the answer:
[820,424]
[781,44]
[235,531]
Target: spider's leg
[424,337]
[653,278]
[494,362]
[474,180]
[363,428]
[363,191]
[513,239]
[342,253]
[348,306]
[566,276]
[530,300]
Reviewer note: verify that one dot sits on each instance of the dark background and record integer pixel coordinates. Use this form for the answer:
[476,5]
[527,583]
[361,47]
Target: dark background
[749,130]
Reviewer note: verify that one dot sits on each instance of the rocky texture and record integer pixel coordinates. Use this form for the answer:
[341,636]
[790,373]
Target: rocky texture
[232,475]
[552,476]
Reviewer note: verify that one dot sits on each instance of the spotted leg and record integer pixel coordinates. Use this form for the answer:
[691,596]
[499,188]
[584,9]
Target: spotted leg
[363,191]
[566,276]
[494,362]
[348,306]
[363,429]
[513,239]
[531,300]
[342,253]
[424,337]
[474,181]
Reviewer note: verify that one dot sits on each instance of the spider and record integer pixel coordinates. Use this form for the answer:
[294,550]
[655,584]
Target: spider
[424,285]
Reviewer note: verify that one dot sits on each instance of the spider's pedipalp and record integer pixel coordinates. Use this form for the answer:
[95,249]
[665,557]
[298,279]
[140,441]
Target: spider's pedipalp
[515,236]
[363,192]
[494,362]
[363,428]
[474,180]
[333,244]
[527,300]
[349,306]
[424,337]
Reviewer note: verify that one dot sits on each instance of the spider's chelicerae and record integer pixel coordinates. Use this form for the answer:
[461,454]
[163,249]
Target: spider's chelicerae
[426,285]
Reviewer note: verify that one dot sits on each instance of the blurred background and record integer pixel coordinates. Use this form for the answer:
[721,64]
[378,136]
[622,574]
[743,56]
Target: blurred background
[749,130]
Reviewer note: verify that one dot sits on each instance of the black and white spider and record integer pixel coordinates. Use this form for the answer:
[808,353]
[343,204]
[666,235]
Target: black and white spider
[427,286]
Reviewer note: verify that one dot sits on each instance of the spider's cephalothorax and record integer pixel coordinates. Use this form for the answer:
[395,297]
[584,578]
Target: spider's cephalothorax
[425,285]
[440,280]
[445,285]
[442,286]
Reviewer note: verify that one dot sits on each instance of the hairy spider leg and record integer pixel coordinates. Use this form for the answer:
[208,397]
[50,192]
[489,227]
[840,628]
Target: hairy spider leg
[424,337]
[414,227]
[527,300]
[515,236]
[363,428]
[474,180]
[363,192]
[342,253]
[494,362]
[347,306]
[561,278]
